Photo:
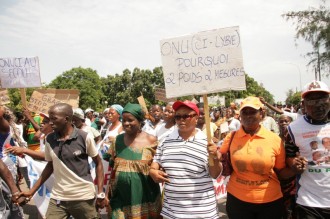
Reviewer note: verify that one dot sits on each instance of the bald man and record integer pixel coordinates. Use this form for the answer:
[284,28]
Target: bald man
[67,150]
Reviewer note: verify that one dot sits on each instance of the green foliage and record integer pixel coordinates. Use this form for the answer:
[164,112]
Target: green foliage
[313,25]
[15,98]
[293,98]
[87,81]
[252,89]
[121,89]
[99,93]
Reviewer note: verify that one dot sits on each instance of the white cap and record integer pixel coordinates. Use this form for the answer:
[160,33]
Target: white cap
[89,110]
[79,113]
[314,86]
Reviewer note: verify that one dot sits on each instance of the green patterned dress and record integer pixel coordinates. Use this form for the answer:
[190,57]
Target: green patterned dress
[133,192]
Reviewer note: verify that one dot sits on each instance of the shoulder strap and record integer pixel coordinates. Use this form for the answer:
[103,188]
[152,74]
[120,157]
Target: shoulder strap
[231,138]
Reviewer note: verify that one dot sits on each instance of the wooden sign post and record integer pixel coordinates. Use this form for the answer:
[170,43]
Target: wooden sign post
[203,63]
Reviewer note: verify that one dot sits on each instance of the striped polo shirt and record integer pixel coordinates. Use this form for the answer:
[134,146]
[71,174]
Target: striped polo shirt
[190,193]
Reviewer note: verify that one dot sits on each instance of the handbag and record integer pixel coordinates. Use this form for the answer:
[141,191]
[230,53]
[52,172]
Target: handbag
[227,168]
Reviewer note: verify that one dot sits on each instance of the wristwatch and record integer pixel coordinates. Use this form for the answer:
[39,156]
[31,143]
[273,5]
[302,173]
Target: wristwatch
[101,195]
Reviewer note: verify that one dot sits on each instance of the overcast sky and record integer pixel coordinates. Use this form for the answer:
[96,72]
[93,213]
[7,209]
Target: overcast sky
[112,35]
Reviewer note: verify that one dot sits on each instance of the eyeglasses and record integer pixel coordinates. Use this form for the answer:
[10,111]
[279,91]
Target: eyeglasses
[184,117]
[317,101]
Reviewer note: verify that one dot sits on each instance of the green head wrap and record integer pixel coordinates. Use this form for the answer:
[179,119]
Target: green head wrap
[135,110]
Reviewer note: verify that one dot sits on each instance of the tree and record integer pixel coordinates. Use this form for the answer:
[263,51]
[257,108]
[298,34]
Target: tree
[125,88]
[313,25]
[15,98]
[87,81]
[293,98]
[253,88]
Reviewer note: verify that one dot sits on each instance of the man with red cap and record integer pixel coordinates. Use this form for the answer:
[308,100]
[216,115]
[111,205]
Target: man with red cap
[313,195]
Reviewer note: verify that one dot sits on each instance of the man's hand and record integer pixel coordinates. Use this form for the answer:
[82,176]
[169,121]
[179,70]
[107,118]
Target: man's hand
[262,100]
[15,150]
[101,203]
[18,199]
[298,164]
[27,113]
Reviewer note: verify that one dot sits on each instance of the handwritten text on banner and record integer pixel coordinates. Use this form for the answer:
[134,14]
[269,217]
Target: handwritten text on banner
[202,63]
[20,72]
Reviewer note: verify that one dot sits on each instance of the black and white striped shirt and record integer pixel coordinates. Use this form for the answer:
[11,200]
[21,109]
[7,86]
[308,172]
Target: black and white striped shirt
[190,193]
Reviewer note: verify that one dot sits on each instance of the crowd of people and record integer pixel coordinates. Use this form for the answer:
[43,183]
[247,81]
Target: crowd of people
[162,165]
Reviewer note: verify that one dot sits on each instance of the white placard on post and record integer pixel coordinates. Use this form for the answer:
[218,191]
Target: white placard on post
[203,63]
[20,72]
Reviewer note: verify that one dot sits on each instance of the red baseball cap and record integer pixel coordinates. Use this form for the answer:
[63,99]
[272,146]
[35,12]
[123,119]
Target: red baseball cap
[186,103]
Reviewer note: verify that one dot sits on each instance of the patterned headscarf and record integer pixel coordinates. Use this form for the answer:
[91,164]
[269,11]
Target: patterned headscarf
[135,110]
[118,108]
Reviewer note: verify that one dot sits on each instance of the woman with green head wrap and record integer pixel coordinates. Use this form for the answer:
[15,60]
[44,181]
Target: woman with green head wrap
[133,194]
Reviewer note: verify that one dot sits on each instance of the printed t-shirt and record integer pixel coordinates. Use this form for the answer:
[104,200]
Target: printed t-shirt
[309,139]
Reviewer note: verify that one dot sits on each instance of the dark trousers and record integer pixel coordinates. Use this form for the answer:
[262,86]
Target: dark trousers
[304,212]
[237,209]
[25,174]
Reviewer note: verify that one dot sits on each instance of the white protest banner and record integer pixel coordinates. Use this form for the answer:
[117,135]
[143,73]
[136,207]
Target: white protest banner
[20,72]
[42,99]
[220,186]
[4,97]
[224,127]
[42,196]
[203,63]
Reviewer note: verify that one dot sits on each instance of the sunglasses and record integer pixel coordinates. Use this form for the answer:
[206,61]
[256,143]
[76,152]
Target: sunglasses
[317,101]
[184,117]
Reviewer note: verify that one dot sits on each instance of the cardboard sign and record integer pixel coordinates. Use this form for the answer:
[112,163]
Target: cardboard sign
[42,99]
[143,104]
[4,97]
[203,63]
[160,94]
[20,72]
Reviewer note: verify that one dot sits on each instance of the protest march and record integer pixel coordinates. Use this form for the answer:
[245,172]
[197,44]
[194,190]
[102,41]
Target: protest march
[174,157]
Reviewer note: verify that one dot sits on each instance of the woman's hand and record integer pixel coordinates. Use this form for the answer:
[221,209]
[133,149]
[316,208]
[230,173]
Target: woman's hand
[212,149]
[158,176]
